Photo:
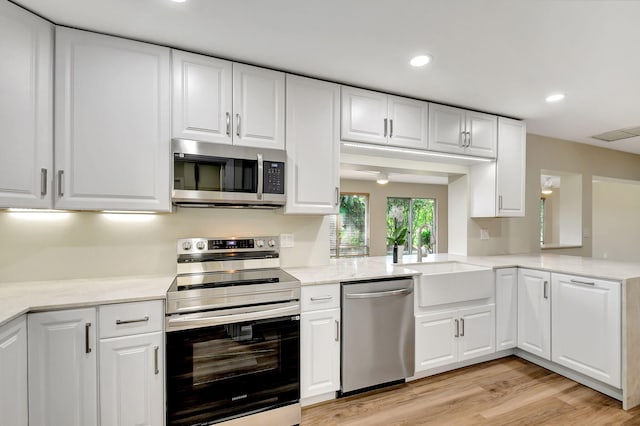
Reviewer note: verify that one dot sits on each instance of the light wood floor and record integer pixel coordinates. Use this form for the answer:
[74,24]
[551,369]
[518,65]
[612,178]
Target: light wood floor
[509,391]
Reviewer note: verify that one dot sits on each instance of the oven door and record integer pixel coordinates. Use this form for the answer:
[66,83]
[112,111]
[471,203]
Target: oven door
[221,372]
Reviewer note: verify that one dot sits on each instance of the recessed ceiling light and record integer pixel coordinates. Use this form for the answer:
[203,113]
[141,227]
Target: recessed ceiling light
[420,61]
[178,1]
[556,97]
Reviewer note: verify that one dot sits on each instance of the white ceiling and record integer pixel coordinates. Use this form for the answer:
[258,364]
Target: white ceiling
[499,56]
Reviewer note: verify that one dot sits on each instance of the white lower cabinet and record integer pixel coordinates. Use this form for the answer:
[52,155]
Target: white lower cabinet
[446,337]
[14,399]
[62,368]
[586,326]
[320,340]
[534,312]
[506,308]
[131,380]
[66,385]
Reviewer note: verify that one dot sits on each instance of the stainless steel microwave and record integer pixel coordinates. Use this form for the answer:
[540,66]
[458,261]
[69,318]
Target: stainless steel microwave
[208,174]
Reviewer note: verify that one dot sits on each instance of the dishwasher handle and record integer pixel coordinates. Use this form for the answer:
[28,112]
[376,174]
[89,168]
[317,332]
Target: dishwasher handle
[399,292]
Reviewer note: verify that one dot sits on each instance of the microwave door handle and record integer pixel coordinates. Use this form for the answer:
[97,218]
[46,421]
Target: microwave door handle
[260,176]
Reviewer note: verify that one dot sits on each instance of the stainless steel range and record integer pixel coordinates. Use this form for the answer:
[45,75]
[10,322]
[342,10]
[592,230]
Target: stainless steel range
[233,335]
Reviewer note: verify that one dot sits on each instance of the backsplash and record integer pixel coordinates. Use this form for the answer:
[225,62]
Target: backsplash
[53,246]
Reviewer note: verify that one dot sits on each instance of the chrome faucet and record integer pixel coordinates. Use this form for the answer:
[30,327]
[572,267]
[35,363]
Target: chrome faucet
[420,240]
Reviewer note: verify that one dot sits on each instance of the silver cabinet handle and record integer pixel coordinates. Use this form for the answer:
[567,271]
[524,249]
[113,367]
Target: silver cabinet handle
[87,345]
[546,289]
[60,191]
[145,319]
[398,292]
[155,357]
[463,139]
[228,124]
[499,202]
[337,196]
[260,177]
[589,283]
[391,128]
[457,328]
[327,297]
[385,127]
[237,124]
[462,327]
[468,138]
[337,331]
[43,182]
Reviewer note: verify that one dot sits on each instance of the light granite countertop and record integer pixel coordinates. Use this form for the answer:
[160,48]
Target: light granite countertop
[22,297]
[346,269]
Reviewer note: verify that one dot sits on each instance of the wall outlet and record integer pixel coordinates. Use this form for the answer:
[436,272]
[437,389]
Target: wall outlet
[286,240]
[484,234]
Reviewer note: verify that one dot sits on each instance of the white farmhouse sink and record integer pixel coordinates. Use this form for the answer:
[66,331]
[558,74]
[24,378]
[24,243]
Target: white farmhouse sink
[452,282]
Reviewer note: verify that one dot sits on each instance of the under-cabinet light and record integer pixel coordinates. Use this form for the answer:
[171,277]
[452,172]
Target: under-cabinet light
[416,152]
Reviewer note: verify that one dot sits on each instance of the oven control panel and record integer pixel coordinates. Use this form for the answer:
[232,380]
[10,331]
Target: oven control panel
[225,245]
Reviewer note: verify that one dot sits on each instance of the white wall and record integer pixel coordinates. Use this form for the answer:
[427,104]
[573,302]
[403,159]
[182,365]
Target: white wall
[616,234]
[43,246]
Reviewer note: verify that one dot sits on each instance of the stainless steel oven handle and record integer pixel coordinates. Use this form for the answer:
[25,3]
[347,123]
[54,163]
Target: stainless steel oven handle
[379,294]
[187,321]
[260,176]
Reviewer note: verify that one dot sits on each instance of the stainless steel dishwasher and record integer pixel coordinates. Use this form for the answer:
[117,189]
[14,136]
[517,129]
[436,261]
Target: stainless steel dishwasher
[378,337]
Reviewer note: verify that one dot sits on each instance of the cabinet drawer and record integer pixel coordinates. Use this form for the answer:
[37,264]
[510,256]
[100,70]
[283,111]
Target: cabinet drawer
[124,319]
[322,296]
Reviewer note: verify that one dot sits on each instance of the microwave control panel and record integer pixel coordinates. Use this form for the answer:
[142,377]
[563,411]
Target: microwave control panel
[273,177]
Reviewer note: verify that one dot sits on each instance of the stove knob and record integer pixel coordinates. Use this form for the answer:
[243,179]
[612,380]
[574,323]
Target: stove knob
[272,243]
[186,245]
[259,243]
[200,245]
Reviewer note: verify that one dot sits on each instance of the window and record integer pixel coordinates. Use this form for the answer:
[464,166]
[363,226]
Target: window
[349,230]
[416,213]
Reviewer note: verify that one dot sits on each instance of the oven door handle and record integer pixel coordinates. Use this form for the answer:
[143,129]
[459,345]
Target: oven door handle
[190,321]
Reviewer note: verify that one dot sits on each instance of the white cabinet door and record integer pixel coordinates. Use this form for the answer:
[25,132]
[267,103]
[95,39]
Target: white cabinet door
[506,308]
[586,326]
[482,130]
[112,123]
[364,116]
[320,352]
[26,110]
[202,97]
[534,312]
[131,380]
[258,107]
[313,146]
[511,167]
[62,368]
[436,342]
[446,128]
[477,332]
[408,120]
[14,399]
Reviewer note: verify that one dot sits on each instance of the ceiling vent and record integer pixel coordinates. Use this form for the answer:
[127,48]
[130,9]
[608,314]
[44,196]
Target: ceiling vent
[616,135]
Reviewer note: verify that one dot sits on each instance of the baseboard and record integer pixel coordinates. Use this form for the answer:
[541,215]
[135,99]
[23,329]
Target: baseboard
[571,374]
[433,371]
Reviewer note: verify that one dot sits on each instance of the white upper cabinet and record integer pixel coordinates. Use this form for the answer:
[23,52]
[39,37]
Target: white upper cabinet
[63,368]
[534,312]
[202,97]
[112,123]
[14,398]
[26,109]
[586,326]
[459,131]
[313,146]
[511,167]
[258,107]
[224,102]
[374,117]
